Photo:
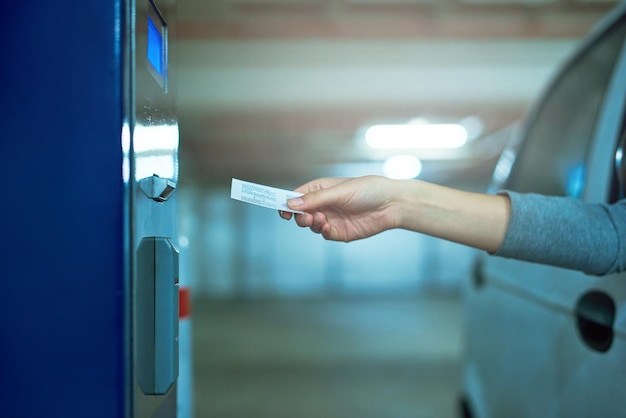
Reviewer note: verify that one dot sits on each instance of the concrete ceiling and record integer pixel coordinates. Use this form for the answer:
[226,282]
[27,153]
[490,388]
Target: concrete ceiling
[278,91]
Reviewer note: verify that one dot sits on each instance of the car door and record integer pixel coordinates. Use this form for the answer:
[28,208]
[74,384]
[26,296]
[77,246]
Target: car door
[543,341]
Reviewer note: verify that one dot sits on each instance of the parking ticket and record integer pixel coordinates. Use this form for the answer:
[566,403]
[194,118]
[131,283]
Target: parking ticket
[260,195]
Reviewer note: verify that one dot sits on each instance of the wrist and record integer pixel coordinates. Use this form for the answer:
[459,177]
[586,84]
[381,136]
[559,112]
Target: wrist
[408,197]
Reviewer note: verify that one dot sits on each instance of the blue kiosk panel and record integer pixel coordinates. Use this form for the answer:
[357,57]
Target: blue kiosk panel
[63,347]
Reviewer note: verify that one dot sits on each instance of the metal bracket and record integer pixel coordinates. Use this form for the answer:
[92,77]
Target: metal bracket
[157,188]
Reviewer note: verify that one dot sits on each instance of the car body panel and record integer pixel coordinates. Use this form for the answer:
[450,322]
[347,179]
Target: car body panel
[525,355]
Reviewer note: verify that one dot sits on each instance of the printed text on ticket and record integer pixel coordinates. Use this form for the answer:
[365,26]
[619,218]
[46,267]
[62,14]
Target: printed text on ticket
[260,195]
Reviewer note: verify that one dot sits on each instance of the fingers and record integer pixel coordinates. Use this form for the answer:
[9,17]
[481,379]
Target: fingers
[315,222]
[312,200]
[319,222]
[295,203]
[304,219]
[320,184]
[318,193]
[284,214]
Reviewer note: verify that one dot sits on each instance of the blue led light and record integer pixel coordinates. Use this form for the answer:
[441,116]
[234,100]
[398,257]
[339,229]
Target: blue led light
[155,48]
[576,176]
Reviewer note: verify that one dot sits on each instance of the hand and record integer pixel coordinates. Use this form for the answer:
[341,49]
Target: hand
[343,209]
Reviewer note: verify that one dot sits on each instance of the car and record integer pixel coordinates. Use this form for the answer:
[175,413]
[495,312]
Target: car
[544,341]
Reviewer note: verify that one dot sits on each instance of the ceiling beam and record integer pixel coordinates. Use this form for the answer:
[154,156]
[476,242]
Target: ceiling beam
[382,20]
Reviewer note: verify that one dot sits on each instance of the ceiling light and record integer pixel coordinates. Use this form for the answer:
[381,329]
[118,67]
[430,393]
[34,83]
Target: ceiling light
[416,136]
[402,167]
[473,126]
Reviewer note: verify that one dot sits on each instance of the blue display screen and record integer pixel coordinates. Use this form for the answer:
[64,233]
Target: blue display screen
[155,49]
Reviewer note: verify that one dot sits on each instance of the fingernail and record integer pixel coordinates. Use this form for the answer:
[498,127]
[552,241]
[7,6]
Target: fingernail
[295,202]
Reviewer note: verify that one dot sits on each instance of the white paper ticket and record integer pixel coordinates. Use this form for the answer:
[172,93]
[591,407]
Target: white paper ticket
[258,194]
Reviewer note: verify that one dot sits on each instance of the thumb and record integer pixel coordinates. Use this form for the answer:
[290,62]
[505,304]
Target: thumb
[313,200]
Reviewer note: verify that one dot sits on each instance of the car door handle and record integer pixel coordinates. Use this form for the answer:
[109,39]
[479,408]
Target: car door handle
[595,314]
[478,274]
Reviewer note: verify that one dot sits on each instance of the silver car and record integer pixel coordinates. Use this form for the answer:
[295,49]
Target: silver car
[543,341]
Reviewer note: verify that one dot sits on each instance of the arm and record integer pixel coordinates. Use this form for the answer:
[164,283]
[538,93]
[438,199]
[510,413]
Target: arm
[560,231]
[351,209]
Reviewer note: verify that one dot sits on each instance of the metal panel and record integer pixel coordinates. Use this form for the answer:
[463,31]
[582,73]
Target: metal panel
[61,305]
[153,177]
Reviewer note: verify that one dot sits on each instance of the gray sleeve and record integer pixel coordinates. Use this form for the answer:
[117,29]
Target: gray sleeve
[566,232]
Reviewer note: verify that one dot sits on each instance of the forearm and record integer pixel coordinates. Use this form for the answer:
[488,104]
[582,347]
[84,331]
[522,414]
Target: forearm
[473,219]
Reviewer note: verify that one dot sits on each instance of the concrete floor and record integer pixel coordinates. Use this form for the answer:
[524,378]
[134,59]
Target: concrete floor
[394,358]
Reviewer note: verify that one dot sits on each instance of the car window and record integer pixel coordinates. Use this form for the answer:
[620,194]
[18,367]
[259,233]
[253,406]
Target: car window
[552,159]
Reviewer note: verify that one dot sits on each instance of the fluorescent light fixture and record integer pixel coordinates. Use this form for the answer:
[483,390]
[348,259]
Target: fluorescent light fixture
[474,127]
[416,136]
[402,167]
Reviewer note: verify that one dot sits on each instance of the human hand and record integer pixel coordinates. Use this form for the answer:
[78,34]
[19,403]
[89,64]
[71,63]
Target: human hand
[344,209]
